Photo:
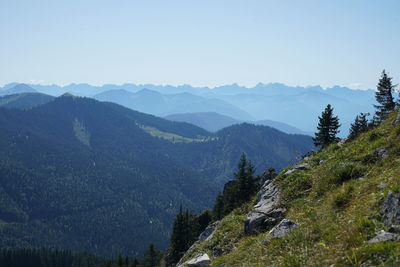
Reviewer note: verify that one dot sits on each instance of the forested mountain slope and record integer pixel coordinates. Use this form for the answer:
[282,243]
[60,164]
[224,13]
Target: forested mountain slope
[24,100]
[80,174]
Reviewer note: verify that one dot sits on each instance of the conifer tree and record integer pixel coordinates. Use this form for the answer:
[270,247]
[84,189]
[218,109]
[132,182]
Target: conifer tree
[218,209]
[178,237]
[359,126]
[152,257]
[247,184]
[384,97]
[328,128]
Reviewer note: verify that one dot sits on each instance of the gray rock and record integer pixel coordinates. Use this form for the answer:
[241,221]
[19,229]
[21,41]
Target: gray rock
[383,236]
[381,152]
[201,260]
[284,227]
[397,121]
[391,209]
[289,172]
[208,233]
[297,167]
[266,213]
[301,166]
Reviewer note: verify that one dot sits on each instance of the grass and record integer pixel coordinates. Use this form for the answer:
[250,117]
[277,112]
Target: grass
[174,138]
[337,203]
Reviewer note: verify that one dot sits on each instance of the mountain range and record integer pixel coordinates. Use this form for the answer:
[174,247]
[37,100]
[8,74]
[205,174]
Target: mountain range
[212,121]
[295,106]
[80,174]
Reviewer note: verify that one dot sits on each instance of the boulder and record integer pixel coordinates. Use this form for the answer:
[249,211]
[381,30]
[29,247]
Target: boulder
[280,230]
[391,209]
[201,260]
[208,233]
[383,236]
[284,227]
[266,213]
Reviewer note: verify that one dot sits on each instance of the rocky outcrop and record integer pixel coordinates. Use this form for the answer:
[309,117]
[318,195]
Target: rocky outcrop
[280,230]
[201,260]
[391,209]
[266,213]
[391,217]
[383,236]
[208,233]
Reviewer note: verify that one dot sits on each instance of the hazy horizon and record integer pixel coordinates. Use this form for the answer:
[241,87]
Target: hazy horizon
[203,43]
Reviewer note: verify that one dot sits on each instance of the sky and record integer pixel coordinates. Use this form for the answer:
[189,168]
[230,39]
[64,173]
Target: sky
[201,43]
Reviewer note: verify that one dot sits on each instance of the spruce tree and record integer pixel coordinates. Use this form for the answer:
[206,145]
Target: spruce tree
[178,237]
[328,128]
[152,257]
[384,98]
[359,126]
[219,206]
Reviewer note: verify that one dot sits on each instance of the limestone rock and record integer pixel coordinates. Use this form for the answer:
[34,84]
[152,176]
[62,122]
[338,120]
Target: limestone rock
[208,233]
[284,227]
[391,209]
[201,260]
[383,236]
[266,213]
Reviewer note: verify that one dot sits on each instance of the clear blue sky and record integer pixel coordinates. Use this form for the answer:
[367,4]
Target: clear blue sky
[200,42]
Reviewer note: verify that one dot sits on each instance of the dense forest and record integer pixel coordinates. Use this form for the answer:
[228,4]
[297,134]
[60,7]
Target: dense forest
[79,174]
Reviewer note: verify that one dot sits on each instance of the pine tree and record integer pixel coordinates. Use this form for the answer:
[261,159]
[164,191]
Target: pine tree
[359,126]
[152,257]
[218,209]
[177,237]
[327,128]
[384,97]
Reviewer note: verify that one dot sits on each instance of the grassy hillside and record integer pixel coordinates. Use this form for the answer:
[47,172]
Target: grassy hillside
[336,202]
